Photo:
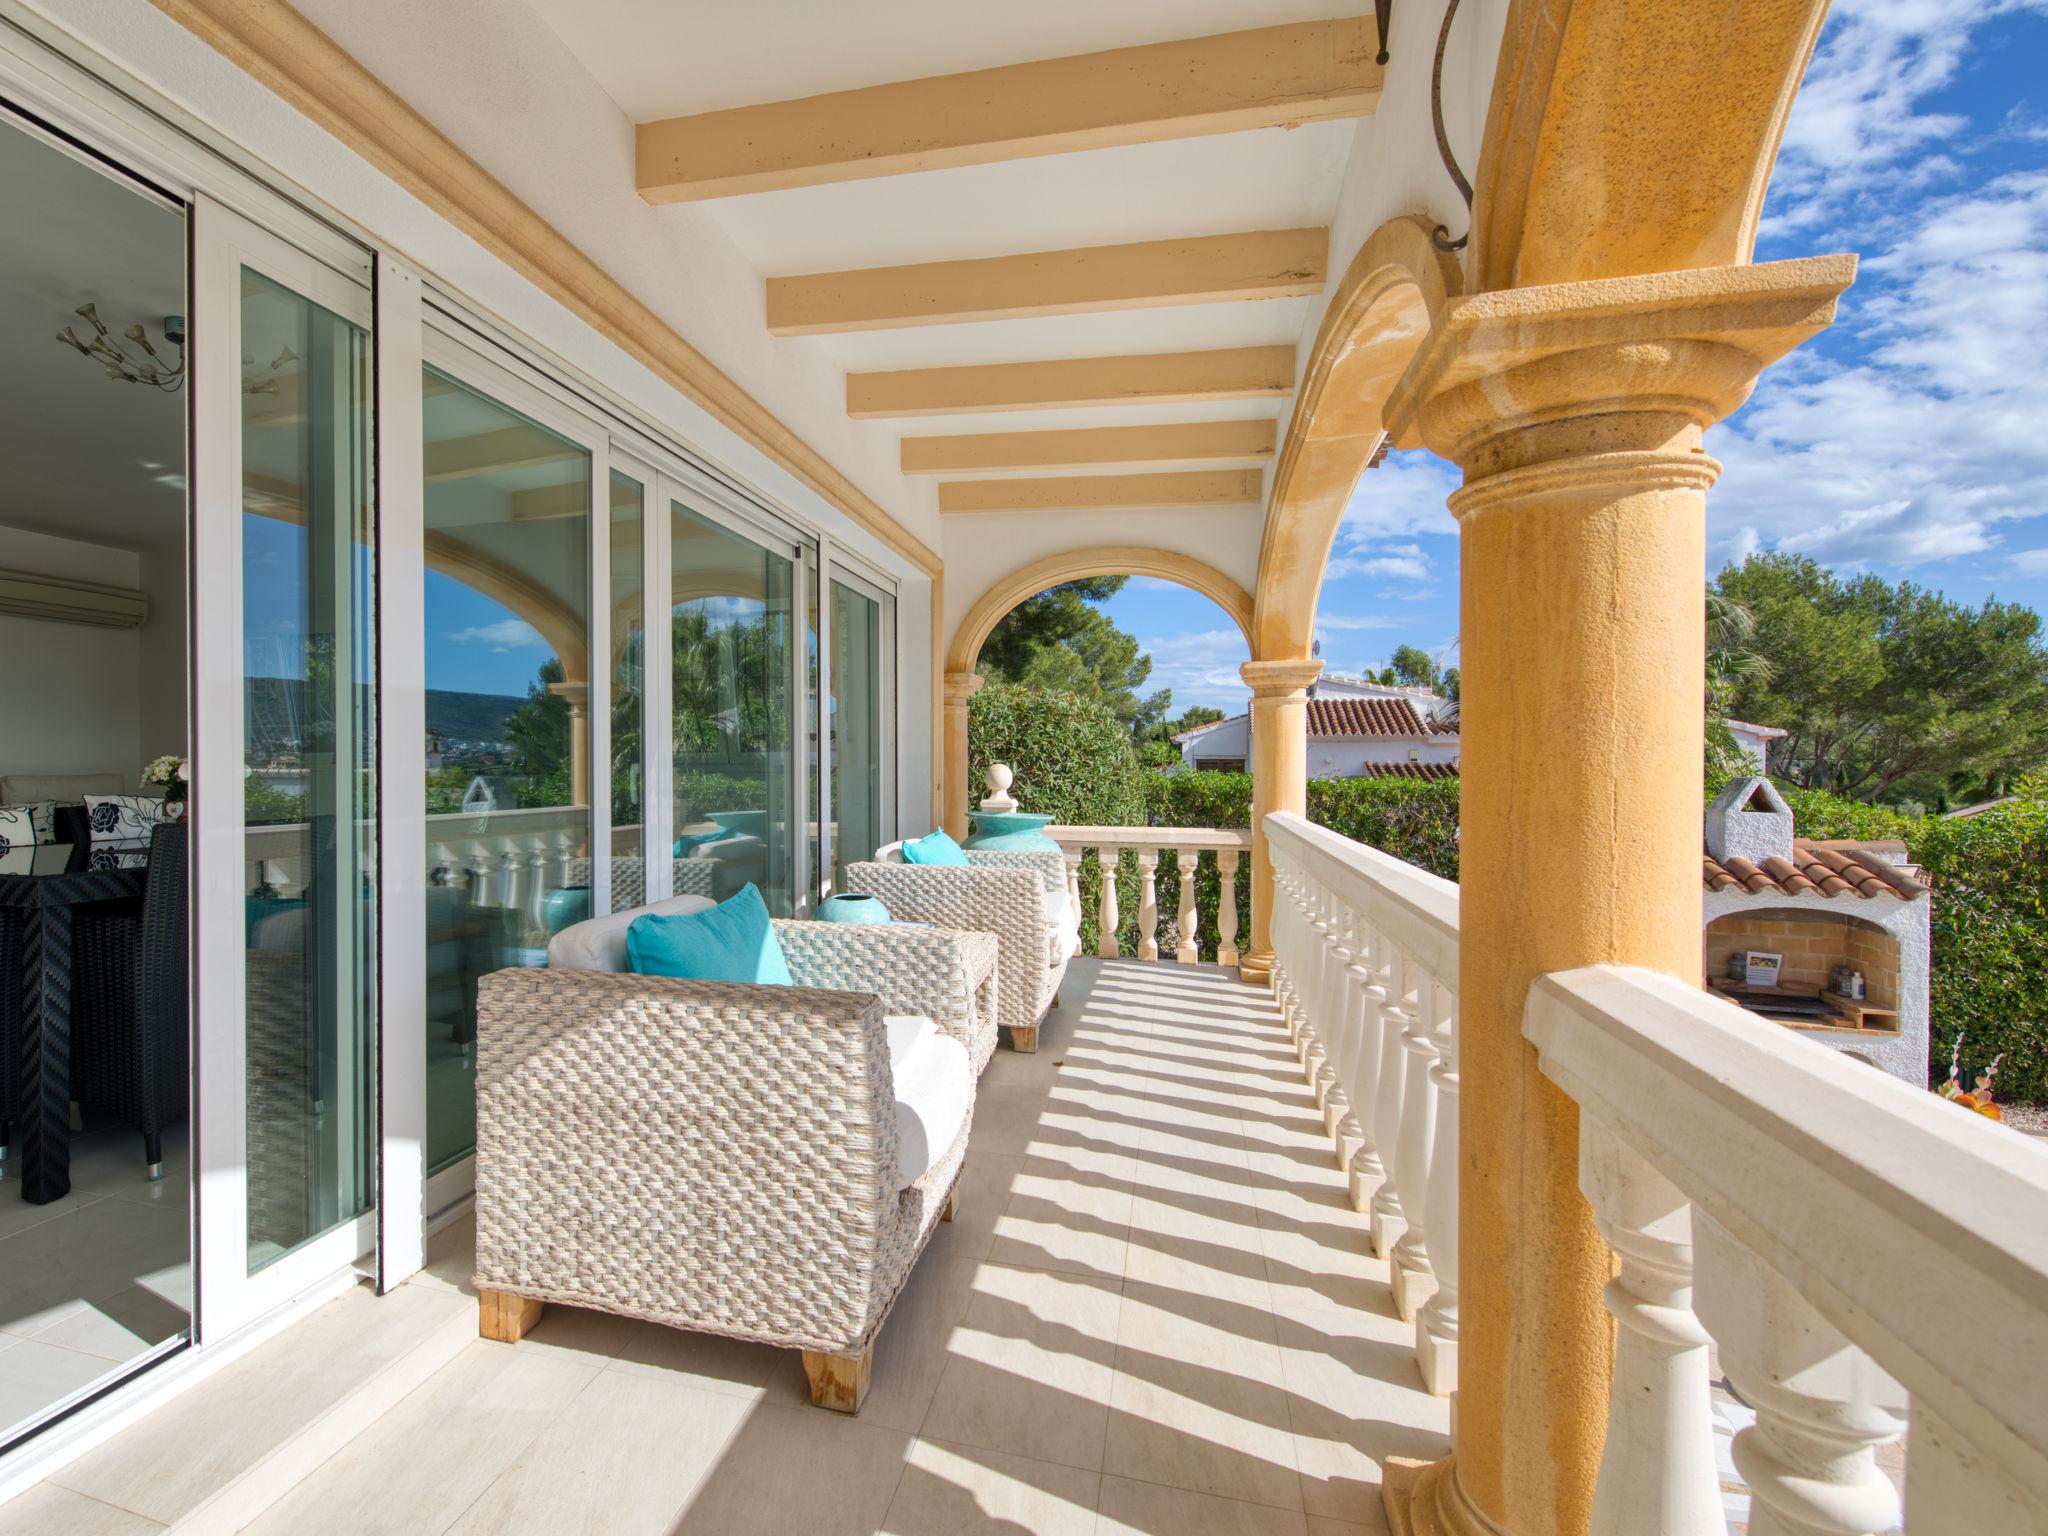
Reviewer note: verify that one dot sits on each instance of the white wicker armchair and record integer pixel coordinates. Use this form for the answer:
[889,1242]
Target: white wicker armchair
[1020,897]
[723,1158]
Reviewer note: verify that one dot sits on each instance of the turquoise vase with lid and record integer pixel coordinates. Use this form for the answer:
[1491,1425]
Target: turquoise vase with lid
[1010,831]
[852,907]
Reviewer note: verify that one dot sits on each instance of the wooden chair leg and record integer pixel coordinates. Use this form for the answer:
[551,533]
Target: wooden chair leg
[505,1317]
[839,1382]
[1024,1041]
[952,1204]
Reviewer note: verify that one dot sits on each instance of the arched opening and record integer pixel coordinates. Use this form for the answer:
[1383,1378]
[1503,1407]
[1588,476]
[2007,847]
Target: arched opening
[1815,950]
[1378,316]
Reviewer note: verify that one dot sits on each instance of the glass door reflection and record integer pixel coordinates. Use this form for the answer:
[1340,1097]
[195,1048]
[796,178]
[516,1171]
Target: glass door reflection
[732,637]
[507,550]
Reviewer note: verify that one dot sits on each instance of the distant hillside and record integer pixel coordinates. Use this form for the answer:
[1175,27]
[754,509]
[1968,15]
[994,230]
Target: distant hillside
[277,709]
[469,716]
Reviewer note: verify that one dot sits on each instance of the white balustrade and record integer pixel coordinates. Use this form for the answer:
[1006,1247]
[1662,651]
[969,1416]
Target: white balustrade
[1186,845]
[1365,970]
[1860,1252]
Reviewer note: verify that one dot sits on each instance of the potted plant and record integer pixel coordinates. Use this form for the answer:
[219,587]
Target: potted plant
[168,774]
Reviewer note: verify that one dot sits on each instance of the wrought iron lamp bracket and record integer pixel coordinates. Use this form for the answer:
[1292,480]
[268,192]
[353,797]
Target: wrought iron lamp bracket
[1440,237]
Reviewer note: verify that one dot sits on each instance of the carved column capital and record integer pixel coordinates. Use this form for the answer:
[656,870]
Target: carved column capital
[1279,679]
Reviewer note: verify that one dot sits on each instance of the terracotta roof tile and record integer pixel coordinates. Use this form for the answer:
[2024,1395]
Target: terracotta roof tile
[1826,869]
[1366,717]
[1428,772]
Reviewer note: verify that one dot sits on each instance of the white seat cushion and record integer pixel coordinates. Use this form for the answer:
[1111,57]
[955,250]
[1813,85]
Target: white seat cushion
[599,943]
[934,1087]
[1065,922]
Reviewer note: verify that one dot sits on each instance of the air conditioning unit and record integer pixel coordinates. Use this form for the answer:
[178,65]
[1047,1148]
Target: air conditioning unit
[29,596]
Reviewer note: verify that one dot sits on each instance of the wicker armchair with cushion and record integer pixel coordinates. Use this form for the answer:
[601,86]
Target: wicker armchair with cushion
[762,1162]
[1019,896]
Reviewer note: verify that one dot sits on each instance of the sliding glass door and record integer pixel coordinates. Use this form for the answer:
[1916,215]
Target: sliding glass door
[508,551]
[862,639]
[284,781]
[739,704]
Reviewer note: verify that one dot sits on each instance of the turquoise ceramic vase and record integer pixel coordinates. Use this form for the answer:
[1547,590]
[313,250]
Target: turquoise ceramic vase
[1010,831]
[852,907]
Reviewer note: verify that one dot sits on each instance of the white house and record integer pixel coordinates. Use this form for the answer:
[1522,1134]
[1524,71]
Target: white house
[1357,729]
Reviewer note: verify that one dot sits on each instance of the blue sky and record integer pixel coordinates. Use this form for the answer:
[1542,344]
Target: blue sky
[1910,439]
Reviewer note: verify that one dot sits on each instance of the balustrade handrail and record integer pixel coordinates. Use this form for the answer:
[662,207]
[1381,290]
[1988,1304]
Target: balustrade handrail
[1149,837]
[1917,1230]
[1417,909]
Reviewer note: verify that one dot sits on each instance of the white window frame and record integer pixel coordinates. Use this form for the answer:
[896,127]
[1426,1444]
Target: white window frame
[849,571]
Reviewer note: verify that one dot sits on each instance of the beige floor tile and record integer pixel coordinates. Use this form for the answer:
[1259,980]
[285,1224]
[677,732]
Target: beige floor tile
[95,1331]
[986,1179]
[1354,1397]
[174,1459]
[622,1461]
[36,1375]
[1147,1509]
[1319,1525]
[791,1470]
[428,1459]
[451,1258]
[1197,1232]
[1030,1366]
[957,1490]
[48,1510]
[709,1361]
[1199,1400]
[1319,1250]
[915,1344]
[1062,1218]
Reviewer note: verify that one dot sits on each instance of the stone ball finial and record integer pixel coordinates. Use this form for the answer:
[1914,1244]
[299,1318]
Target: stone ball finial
[999,779]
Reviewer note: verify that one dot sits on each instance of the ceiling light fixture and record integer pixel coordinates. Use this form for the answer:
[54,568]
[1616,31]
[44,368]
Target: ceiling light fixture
[153,368]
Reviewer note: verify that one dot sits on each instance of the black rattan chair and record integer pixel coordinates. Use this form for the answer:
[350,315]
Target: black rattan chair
[130,1042]
[12,928]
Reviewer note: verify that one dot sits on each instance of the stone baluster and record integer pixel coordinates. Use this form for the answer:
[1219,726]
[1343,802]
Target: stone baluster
[481,865]
[1436,1325]
[1188,950]
[1073,857]
[1413,1271]
[1347,1130]
[1148,903]
[1389,1217]
[1315,1012]
[1226,906]
[1368,1165]
[1329,1080]
[1287,943]
[1107,915]
[1822,1407]
[1657,1469]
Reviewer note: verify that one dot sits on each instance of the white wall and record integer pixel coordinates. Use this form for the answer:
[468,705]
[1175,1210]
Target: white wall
[161,718]
[1346,758]
[70,694]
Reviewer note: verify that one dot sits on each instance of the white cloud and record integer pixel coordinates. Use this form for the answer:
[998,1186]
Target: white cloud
[2031,562]
[1401,562]
[1357,621]
[1858,126]
[1200,667]
[1924,449]
[1403,497]
[505,635]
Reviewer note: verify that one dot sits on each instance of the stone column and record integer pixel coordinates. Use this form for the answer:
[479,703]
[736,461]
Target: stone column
[960,687]
[577,695]
[1279,764]
[1576,412]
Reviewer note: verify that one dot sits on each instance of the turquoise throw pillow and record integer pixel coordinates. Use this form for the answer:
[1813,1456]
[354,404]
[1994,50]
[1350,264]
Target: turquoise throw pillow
[733,941]
[936,848]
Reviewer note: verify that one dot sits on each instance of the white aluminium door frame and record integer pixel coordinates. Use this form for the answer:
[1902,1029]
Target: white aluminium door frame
[227,1295]
[856,574]
[449,346]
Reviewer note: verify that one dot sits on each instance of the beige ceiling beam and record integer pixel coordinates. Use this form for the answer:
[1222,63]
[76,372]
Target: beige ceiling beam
[1268,77]
[504,449]
[1192,442]
[1162,378]
[1205,269]
[1105,493]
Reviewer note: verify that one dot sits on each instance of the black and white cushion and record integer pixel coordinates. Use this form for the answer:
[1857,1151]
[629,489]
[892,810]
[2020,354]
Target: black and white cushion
[123,818]
[43,813]
[118,855]
[20,828]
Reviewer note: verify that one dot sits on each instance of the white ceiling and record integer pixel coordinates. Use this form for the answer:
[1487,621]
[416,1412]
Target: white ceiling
[659,58]
[84,456]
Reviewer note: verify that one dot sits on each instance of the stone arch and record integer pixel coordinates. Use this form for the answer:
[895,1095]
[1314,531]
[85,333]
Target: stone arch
[1377,319]
[1625,139]
[1007,592]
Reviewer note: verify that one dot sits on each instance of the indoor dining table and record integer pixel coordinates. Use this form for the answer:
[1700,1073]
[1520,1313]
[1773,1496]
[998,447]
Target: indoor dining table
[44,894]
